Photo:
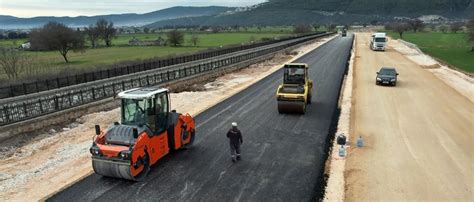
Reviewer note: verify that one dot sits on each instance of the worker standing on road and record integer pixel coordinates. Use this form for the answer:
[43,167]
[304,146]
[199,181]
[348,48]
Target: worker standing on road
[235,140]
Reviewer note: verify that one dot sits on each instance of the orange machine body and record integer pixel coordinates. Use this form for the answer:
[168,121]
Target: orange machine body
[128,151]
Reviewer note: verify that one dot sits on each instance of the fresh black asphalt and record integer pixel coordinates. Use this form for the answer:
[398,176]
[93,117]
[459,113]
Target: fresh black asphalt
[283,155]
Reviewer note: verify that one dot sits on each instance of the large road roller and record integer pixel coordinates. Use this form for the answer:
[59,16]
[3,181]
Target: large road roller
[147,132]
[295,92]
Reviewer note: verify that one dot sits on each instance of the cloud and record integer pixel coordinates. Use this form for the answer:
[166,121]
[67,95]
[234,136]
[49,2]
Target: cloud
[30,8]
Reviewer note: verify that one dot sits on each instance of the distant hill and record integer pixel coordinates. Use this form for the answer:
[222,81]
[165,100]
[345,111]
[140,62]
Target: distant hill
[289,12]
[10,22]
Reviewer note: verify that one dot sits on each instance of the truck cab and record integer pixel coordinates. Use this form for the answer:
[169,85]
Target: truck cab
[378,41]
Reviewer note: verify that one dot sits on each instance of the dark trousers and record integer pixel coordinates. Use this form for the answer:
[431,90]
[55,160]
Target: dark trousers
[234,150]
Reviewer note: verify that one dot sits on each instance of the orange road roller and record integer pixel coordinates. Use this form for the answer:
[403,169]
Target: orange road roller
[148,131]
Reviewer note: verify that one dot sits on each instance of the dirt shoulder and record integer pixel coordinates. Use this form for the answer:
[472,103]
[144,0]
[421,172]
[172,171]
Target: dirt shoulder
[57,159]
[418,134]
[336,165]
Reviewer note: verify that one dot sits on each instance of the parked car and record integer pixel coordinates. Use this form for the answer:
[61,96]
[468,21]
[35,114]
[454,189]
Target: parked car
[386,76]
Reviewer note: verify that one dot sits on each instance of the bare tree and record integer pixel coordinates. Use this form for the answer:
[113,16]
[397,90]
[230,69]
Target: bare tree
[194,39]
[416,25]
[10,62]
[388,26]
[252,39]
[236,28]
[136,30]
[331,27]
[57,36]
[107,31]
[301,29]
[216,29]
[316,27]
[400,28]
[443,28]
[456,27]
[175,37]
[470,33]
[16,63]
[93,35]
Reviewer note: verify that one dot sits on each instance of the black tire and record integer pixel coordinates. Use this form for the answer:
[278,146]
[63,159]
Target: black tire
[146,169]
[304,109]
[309,98]
[191,140]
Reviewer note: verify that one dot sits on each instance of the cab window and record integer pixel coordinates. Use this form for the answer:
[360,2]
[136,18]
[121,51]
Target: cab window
[161,110]
[133,111]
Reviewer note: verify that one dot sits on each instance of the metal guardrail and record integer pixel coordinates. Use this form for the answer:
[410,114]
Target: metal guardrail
[26,107]
[61,82]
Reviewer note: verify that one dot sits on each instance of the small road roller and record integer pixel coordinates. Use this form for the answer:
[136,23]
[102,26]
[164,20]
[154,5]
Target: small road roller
[148,131]
[295,92]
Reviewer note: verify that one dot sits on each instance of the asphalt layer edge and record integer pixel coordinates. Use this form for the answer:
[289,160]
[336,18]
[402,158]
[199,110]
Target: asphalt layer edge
[321,183]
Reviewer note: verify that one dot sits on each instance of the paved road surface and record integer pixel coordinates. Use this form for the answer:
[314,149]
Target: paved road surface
[283,155]
[419,134]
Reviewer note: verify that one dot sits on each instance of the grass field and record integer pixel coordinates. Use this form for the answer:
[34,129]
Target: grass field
[12,42]
[206,39]
[92,58]
[449,47]
[51,62]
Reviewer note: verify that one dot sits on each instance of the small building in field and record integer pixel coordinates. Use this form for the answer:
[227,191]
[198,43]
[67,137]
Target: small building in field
[26,45]
[134,42]
[137,42]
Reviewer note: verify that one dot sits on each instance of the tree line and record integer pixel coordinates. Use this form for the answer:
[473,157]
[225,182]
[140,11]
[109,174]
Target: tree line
[14,35]
[55,36]
[417,25]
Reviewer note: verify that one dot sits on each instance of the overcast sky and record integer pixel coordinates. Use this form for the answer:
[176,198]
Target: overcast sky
[32,8]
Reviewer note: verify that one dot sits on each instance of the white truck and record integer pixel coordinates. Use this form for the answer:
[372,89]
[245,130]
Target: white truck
[378,41]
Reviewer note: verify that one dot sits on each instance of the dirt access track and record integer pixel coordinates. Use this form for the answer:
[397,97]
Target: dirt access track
[419,134]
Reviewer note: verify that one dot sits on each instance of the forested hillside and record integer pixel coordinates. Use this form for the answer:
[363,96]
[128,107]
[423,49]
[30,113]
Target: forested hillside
[289,12]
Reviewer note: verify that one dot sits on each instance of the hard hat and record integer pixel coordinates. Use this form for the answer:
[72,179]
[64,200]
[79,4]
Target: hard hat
[234,124]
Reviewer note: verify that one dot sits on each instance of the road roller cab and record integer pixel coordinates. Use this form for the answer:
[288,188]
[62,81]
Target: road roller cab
[147,132]
[295,92]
